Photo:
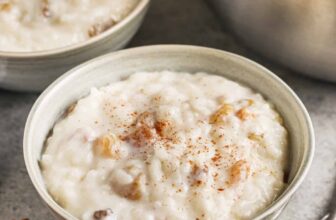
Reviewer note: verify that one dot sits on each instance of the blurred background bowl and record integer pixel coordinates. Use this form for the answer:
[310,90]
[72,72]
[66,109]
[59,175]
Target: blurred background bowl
[116,66]
[299,34]
[33,71]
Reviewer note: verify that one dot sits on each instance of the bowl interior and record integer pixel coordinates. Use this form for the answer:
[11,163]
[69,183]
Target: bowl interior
[113,67]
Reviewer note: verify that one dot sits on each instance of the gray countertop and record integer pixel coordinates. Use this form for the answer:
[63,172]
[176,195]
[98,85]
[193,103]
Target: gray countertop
[180,22]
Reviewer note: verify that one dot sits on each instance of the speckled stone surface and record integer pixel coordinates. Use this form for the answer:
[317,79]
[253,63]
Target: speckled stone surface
[180,22]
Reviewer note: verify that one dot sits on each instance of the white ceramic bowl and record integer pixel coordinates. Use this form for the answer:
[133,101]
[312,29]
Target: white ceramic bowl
[33,71]
[112,67]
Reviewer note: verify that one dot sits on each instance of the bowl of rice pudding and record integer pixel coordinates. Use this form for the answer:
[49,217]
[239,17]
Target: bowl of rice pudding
[168,132]
[42,39]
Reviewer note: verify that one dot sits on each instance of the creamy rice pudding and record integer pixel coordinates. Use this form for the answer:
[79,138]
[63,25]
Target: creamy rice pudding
[167,145]
[47,24]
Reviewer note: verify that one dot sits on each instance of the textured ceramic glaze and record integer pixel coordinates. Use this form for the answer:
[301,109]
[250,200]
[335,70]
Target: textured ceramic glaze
[34,71]
[115,66]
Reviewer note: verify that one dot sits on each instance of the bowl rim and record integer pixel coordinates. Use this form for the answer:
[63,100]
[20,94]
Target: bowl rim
[140,7]
[276,205]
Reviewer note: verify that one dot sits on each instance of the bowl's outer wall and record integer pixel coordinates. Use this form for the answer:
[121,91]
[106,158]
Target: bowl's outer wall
[117,66]
[36,73]
[252,22]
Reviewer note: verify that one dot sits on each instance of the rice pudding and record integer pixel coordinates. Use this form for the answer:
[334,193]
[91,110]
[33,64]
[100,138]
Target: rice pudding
[167,145]
[47,24]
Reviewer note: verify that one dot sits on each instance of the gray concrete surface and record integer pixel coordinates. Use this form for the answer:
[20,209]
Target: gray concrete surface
[179,22]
